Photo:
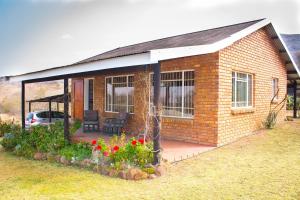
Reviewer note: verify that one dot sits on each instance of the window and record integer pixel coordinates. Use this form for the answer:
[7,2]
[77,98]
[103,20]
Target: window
[242,90]
[119,94]
[275,88]
[176,93]
[91,94]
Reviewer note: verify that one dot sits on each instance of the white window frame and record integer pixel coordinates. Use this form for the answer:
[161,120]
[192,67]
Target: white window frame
[247,92]
[112,77]
[182,98]
[273,91]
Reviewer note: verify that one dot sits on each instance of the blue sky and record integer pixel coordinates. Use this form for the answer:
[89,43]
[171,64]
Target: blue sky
[39,34]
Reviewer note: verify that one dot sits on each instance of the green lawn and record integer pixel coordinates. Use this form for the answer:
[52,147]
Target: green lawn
[263,166]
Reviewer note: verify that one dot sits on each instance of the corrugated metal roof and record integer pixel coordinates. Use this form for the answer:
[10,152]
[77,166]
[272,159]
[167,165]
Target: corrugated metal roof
[292,42]
[204,37]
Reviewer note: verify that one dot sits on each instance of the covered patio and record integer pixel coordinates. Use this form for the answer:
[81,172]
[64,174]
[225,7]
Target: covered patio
[172,151]
[67,73]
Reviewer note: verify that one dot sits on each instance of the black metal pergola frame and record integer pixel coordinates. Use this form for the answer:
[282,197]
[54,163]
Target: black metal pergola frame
[156,90]
[50,99]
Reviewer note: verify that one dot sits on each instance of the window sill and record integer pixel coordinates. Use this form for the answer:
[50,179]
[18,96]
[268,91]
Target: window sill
[116,112]
[236,111]
[178,118]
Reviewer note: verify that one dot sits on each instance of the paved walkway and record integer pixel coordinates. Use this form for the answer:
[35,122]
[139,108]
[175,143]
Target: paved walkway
[173,151]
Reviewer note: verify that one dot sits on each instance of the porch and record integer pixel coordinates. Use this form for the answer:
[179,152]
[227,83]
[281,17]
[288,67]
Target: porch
[172,150]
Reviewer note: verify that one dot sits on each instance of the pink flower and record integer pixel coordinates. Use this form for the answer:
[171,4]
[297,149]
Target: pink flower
[141,141]
[94,142]
[105,153]
[98,148]
[116,148]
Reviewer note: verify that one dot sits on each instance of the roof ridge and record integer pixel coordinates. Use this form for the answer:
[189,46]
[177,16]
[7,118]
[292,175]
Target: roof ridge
[215,28]
[193,32]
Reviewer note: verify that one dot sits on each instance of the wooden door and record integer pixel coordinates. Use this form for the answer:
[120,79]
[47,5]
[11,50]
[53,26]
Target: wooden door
[78,98]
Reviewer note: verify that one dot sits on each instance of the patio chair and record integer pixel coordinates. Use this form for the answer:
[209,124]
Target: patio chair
[115,125]
[90,121]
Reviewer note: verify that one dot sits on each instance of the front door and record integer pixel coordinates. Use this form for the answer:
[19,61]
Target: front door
[78,86]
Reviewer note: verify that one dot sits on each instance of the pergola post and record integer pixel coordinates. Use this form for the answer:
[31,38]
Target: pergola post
[295,99]
[57,106]
[156,117]
[29,106]
[66,110]
[23,104]
[50,110]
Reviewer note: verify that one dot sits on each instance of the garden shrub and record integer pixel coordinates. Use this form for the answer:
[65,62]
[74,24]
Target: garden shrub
[134,152]
[57,137]
[119,155]
[75,126]
[6,127]
[37,139]
[9,141]
[270,121]
[78,151]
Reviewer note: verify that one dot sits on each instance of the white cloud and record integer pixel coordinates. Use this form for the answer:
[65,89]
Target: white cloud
[66,36]
[61,1]
[134,1]
[208,3]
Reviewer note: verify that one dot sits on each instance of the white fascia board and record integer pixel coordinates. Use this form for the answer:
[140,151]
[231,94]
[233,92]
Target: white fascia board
[125,61]
[287,51]
[177,52]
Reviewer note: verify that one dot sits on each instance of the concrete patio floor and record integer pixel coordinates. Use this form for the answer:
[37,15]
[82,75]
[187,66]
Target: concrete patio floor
[172,150]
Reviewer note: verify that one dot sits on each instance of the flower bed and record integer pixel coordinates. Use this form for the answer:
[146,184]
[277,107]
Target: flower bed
[130,159]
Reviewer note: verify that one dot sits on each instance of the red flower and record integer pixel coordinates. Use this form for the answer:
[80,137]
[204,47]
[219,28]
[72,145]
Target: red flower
[98,147]
[133,142]
[116,148]
[105,153]
[94,142]
[141,141]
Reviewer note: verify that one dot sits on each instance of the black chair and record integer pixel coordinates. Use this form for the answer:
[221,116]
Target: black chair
[115,125]
[90,121]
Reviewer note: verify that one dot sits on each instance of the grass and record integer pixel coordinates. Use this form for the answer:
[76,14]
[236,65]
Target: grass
[262,166]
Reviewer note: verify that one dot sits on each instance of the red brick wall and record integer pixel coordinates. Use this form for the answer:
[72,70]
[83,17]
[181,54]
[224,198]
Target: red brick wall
[255,54]
[213,122]
[202,128]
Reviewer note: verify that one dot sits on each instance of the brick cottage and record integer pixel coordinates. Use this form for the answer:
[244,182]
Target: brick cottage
[216,85]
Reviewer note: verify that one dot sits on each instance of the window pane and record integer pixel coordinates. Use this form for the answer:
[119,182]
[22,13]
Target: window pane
[241,95]
[241,77]
[242,90]
[176,95]
[119,94]
[91,94]
[171,94]
[108,94]
[188,110]
[250,90]
[130,94]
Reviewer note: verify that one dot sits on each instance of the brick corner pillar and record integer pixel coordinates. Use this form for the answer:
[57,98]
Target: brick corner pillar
[156,116]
